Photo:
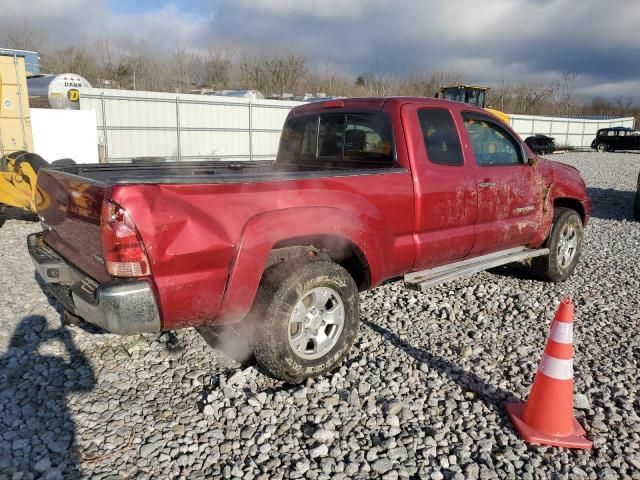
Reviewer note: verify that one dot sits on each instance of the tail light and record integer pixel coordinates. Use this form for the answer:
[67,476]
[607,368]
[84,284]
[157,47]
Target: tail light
[124,253]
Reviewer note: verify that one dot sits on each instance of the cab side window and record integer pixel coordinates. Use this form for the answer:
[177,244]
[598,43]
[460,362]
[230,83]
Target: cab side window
[440,136]
[299,139]
[492,144]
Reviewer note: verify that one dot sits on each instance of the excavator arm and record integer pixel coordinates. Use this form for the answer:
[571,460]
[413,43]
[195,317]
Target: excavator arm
[18,175]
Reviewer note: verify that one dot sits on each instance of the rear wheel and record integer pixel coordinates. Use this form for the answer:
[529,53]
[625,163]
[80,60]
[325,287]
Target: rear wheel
[307,315]
[602,147]
[565,247]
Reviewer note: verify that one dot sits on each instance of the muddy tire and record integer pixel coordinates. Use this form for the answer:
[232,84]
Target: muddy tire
[565,245]
[306,315]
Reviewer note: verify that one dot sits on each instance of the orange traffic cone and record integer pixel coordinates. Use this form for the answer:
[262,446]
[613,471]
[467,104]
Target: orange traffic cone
[547,417]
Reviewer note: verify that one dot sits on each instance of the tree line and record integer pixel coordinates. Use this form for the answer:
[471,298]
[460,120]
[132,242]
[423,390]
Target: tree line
[131,63]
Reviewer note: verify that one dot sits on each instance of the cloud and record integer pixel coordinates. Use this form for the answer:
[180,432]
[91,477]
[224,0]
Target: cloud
[73,22]
[519,40]
[533,40]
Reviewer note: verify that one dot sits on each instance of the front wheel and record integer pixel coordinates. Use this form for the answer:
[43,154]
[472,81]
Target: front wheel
[565,247]
[602,147]
[307,312]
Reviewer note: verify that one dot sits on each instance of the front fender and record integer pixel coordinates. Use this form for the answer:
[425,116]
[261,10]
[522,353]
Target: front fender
[564,193]
[265,230]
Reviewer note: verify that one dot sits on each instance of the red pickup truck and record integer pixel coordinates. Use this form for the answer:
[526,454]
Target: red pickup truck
[363,190]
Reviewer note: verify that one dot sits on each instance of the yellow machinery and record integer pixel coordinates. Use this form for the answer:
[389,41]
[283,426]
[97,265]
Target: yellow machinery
[18,169]
[473,95]
[18,175]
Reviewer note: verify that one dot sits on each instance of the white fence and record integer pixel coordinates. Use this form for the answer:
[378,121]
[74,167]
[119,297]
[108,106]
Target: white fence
[575,132]
[184,127]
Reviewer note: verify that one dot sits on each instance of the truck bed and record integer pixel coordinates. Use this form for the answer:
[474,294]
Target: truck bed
[215,171]
[211,201]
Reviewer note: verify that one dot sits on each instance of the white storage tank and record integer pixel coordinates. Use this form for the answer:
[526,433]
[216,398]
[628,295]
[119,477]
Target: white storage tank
[56,91]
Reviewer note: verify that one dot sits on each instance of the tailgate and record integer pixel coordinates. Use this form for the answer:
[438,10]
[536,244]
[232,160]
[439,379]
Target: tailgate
[69,208]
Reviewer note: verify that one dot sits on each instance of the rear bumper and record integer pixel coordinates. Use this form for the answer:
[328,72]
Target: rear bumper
[125,307]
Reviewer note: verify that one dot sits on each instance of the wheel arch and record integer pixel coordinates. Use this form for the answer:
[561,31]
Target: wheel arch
[573,204]
[342,236]
[340,249]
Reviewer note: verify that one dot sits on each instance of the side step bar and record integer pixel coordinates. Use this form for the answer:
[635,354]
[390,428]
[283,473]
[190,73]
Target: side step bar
[432,276]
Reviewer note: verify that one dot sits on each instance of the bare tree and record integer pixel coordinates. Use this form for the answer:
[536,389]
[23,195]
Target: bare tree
[20,34]
[563,94]
[273,73]
[217,70]
[182,69]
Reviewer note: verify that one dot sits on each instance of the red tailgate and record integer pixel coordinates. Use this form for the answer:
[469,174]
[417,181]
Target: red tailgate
[69,208]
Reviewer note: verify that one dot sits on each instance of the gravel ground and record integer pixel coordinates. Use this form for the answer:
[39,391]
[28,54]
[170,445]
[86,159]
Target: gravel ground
[420,396]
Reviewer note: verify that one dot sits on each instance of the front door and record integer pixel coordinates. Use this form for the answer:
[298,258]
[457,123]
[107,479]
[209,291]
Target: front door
[510,190]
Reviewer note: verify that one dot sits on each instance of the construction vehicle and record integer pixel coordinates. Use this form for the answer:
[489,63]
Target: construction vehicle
[18,167]
[473,95]
[17,174]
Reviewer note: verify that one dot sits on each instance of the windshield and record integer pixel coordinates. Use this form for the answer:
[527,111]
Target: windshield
[476,97]
[457,94]
[472,96]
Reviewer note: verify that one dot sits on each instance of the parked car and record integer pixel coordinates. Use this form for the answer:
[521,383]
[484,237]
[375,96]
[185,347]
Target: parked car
[636,203]
[541,144]
[616,138]
[362,191]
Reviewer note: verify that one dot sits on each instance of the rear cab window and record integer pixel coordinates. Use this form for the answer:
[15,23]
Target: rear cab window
[341,138]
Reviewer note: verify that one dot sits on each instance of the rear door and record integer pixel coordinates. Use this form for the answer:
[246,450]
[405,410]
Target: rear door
[627,140]
[444,186]
[510,190]
[622,141]
[612,139]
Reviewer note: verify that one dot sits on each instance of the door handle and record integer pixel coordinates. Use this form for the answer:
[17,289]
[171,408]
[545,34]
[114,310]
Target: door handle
[487,184]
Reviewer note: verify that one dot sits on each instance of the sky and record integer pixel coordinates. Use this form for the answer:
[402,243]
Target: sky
[488,40]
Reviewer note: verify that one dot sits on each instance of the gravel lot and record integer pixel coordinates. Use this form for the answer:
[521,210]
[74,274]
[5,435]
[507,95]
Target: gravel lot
[421,395]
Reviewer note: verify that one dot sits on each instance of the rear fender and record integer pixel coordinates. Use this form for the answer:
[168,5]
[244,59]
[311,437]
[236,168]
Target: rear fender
[263,231]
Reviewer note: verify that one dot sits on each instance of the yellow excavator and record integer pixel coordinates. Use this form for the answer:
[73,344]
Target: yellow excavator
[473,95]
[18,168]
[18,175]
